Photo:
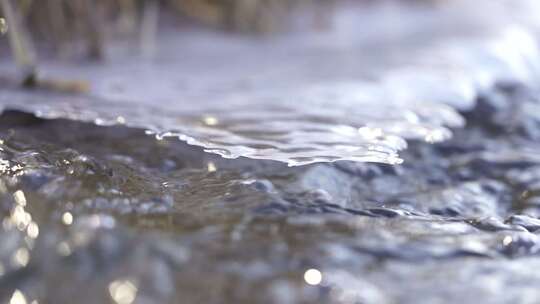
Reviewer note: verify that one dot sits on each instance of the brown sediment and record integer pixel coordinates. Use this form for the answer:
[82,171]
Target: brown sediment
[59,85]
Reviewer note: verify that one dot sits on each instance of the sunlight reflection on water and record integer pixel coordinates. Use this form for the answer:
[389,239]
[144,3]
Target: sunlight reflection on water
[291,100]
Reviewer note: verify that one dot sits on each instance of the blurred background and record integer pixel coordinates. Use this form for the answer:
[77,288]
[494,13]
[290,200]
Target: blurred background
[75,28]
[82,30]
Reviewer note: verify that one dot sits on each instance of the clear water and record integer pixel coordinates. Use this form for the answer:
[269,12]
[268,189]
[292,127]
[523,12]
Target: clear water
[108,214]
[344,94]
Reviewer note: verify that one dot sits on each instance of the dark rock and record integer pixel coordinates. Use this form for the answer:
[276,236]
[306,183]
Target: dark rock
[529,223]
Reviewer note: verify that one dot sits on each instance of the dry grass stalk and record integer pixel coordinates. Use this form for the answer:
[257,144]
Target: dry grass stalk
[20,43]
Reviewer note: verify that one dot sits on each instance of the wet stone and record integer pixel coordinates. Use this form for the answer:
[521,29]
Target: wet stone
[529,223]
[467,200]
[494,224]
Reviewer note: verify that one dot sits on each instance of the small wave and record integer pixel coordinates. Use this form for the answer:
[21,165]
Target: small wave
[306,98]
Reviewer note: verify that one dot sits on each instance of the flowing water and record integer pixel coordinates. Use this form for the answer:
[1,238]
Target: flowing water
[311,202]
[345,94]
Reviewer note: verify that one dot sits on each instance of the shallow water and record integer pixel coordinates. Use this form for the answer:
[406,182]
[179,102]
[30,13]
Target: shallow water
[94,209]
[355,92]
[108,214]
